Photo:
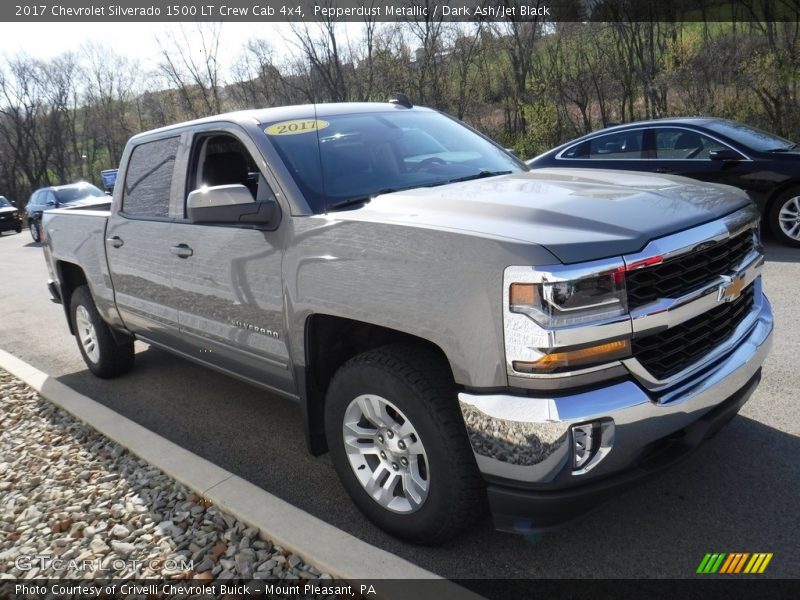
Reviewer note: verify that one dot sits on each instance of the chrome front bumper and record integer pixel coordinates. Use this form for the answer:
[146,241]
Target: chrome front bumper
[527,439]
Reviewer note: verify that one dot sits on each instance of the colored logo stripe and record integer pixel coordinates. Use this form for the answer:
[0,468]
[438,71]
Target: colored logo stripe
[758,563]
[734,563]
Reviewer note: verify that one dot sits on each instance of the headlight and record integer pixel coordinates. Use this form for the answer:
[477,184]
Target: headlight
[560,319]
[562,303]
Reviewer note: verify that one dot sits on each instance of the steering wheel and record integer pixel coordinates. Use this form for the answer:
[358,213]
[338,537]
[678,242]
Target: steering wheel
[428,162]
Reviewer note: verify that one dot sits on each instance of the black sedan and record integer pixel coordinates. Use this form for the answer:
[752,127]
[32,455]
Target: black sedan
[9,216]
[55,197]
[764,165]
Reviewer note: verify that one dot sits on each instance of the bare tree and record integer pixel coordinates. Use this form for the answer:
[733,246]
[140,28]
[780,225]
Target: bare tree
[195,75]
[111,84]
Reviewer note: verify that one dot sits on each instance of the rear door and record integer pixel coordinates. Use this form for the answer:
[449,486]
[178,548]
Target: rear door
[137,241]
[228,284]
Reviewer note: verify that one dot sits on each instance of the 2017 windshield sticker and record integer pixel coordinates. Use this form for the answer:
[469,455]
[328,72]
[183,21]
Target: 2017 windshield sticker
[296,126]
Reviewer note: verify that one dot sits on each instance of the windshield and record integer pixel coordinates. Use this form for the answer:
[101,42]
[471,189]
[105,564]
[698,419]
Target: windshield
[3,202]
[361,155]
[73,194]
[751,137]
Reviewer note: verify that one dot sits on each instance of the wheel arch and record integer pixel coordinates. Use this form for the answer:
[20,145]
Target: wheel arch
[777,192]
[329,342]
[70,277]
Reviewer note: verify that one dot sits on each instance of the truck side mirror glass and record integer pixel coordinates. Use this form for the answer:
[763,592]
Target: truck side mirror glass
[229,204]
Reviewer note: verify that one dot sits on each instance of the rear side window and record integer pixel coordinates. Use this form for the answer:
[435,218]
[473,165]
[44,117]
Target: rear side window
[148,179]
[625,144]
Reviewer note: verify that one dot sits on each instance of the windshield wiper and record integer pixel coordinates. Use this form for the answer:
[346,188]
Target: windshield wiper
[360,199]
[480,175]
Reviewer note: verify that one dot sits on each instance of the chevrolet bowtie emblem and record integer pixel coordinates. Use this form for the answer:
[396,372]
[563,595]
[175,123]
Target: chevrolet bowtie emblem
[732,289]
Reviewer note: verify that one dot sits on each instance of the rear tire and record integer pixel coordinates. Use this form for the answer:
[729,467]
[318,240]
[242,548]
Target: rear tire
[784,217]
[398,443]
[101,353]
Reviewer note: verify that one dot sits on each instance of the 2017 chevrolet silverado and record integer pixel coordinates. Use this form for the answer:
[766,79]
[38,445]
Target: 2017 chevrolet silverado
[455,327]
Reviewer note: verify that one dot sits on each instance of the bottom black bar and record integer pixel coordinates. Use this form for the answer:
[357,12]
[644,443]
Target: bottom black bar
[732,587]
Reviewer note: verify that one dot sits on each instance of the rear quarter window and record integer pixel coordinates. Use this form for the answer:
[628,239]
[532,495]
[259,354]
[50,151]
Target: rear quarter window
[148,179]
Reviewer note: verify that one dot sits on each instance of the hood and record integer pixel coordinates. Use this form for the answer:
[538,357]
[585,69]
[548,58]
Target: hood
[576,214]
[8,209]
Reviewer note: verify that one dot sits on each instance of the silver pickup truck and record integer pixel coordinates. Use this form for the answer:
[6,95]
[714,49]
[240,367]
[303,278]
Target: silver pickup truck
[456,327]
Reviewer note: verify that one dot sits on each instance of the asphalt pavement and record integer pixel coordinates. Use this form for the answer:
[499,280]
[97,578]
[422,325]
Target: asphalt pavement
[738,493]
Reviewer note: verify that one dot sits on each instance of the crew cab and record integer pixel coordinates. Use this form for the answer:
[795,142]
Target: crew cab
[456,327]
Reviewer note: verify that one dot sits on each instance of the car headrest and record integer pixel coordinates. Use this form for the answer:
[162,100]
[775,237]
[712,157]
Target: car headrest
[225,168]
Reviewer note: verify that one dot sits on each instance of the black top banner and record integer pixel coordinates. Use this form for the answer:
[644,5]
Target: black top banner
[398,10]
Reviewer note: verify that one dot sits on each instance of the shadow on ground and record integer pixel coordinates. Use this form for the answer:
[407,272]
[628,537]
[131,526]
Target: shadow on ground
[738,493]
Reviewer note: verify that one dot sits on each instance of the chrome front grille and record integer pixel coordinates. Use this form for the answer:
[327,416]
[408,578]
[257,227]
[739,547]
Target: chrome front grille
[672,350]
[687,272]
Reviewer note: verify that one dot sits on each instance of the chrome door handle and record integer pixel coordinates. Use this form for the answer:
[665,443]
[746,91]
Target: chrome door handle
[115,241]
[182,250]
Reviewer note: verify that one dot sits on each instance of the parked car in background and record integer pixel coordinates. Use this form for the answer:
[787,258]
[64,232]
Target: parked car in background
[54,197]
[765,165]
[10,219]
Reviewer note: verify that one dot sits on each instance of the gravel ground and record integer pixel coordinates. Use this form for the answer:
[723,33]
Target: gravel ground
[68,493]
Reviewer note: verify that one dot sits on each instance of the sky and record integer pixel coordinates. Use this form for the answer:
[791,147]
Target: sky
[135,40]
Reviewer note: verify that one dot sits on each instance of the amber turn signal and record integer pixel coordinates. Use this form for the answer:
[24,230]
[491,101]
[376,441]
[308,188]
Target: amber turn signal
[573,358]
[522,294]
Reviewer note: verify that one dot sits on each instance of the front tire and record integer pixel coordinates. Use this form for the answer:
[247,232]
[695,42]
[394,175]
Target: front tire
[784,217]
[398,443]
[36,231]
[101,353]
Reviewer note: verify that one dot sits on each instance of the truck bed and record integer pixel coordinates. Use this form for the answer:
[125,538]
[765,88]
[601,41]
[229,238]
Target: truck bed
[76,236]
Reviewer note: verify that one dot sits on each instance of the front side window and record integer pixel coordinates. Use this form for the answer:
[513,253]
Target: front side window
[223,160]
[148,179]
[623,144]
[684,144]
[336,160]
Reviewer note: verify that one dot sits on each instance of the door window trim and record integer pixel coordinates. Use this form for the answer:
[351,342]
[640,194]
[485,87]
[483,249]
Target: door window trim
[650,142]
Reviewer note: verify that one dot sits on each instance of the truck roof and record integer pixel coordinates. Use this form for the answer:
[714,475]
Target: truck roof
[280,113]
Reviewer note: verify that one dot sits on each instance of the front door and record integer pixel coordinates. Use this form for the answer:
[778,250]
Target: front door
[229,280]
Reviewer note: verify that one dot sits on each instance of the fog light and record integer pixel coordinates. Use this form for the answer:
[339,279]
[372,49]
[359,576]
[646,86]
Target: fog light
[584,443]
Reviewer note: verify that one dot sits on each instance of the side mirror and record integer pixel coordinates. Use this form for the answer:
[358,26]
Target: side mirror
[228,204]
[726,154]
[50,203]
